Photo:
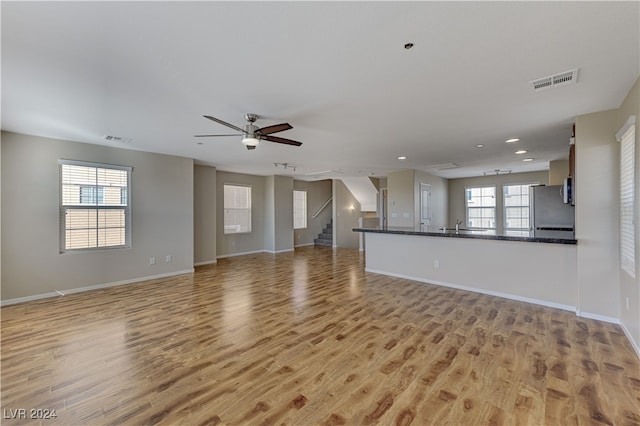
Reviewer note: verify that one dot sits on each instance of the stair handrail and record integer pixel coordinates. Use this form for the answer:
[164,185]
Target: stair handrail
[322,208]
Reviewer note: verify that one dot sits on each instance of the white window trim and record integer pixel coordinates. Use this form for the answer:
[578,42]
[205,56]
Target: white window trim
[62,208]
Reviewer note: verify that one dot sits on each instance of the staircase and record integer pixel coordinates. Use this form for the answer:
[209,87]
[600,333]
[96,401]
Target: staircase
[326,237]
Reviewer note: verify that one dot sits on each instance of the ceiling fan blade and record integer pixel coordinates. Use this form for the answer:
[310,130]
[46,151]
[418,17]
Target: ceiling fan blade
[275,128]
[281,140]
[224,123]
[211,136]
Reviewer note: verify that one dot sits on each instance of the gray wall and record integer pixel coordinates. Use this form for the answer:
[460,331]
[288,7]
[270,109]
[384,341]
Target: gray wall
[457,209]
[278,213]
[346,211]
[558,171]
[400,195]
[253,241]
[204,214]
[603,287]
[161,222]
[629,286]
[318,192]
[439,198]
[283,192]
[269,214]
[404,198]
[597,212]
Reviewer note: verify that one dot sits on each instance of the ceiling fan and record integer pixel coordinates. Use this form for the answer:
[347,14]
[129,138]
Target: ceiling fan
[252,134]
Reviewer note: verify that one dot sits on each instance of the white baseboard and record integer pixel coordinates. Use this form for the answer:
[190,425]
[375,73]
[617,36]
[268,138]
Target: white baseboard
[635,345]
[303,245]
[222,256]
[479,290]
[58,293]
[206,262]
[278,251]
[598,317]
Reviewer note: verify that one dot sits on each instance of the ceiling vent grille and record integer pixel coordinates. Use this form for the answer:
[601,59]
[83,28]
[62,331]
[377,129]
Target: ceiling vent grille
[497,172]
[566,78]
[110,138]
[445,166]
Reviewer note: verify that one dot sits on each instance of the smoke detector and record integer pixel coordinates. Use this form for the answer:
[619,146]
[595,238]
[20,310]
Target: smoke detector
[566,78]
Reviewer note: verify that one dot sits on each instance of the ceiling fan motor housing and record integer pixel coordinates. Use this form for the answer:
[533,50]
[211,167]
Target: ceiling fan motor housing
[250,129]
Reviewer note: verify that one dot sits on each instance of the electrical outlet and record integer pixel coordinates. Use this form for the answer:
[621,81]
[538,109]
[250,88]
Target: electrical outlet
[436,264]
[167,258]
[152,260]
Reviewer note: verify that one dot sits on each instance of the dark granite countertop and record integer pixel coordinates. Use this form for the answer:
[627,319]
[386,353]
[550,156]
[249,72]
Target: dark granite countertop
[523,236]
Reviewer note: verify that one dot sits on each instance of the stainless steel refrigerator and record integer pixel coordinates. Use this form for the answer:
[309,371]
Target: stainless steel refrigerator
[550,216]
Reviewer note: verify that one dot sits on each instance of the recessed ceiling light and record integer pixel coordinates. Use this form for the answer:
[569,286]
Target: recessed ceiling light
[522,151]
[402,157]
[512,140]
[480,145]
[527,159]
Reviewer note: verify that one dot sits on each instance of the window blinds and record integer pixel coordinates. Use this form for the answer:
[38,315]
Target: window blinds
[627,191]
[237,209]
[94,206]
[299,209]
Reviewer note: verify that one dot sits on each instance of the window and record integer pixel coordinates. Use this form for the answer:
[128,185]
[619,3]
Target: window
[627,138]
[299,209]
[94,206]
[481,207]
[237,209]
[516,207]
[91,195]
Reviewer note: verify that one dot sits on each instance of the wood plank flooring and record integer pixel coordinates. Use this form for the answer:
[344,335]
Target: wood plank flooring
[309,338]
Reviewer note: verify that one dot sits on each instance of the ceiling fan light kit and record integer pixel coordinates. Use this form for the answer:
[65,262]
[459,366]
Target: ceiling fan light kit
[249,141]
[252,134]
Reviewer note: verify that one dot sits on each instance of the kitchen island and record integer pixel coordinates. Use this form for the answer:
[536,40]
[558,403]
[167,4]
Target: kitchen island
[515,266]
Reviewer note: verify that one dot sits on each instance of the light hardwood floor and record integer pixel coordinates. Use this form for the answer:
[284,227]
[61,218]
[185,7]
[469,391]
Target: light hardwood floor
[309,338]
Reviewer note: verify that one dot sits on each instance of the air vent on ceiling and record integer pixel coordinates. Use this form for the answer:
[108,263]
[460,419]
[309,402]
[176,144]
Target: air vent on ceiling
[497,172]
[566,78]
[110,138]
[445,166]
[322,172]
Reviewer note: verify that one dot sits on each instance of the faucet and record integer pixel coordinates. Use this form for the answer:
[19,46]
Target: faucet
[458,223]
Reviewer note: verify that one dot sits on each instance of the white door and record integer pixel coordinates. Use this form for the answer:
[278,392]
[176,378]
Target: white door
[425,204]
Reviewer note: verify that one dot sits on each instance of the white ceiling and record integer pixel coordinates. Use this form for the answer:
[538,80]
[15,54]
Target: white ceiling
[336,71]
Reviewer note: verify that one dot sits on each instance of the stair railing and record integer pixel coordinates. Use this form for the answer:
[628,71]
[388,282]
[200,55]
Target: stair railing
[322,208]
